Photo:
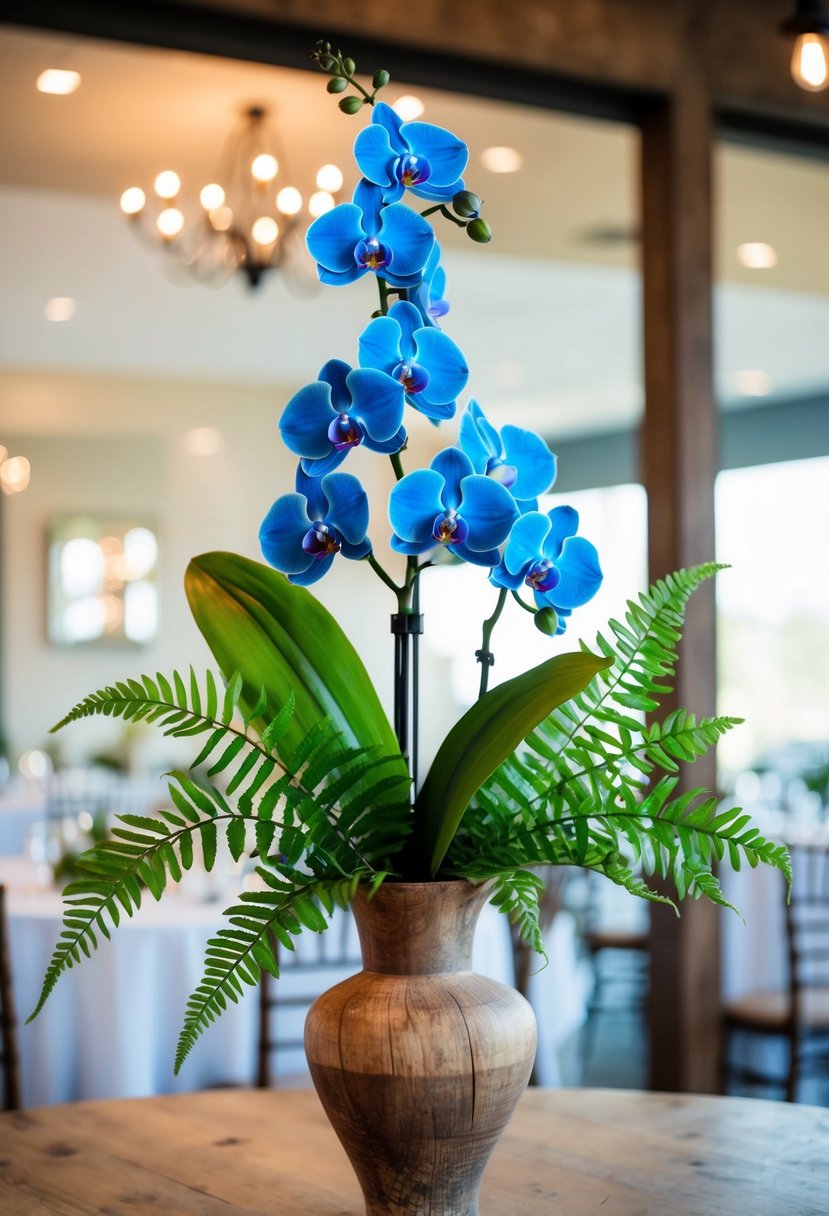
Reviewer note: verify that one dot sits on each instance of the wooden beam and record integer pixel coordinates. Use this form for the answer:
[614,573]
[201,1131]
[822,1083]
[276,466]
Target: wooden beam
[679,441]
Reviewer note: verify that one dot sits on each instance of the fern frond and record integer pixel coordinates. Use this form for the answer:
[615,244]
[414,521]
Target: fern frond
[235,957]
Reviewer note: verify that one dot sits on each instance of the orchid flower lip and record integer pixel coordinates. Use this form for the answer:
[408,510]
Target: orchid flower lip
[507,474]
[450,529]
[345,432]
[413,376]
[321,541]
[412,170]
[543,576]
[371,255]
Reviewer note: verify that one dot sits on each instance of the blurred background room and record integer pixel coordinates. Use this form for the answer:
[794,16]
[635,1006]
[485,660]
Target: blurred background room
[655,302]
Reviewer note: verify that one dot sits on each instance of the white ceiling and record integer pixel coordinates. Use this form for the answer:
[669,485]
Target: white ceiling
[549,321]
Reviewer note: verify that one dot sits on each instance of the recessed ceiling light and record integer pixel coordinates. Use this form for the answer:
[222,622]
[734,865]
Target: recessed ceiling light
[757,255]
[501,160]
[408,107]
[753,382]
[60,308]
[58,81]
[203,441]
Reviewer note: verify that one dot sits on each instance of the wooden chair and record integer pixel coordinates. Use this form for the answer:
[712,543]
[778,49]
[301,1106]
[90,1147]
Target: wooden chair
[800,1013]
[318,963]
[9,1059]
[602,943]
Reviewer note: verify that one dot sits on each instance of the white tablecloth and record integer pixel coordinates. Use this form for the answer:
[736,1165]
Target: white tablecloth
[110,1027]
[21,806]
[754,949]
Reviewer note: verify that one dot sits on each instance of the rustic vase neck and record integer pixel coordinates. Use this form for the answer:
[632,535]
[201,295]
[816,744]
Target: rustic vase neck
[419,928]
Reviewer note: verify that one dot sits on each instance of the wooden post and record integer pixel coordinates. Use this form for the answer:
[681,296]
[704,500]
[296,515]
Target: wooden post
[679,451]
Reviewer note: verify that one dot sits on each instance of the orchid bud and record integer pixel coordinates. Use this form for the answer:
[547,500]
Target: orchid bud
[477,230]
[546,620]
[349,67]
[350,105]
[379,79]
[467,204]
[327,63]
[336,84]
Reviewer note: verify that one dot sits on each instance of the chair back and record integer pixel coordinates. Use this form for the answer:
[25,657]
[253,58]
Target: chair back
[807,921]
[318,962]
[9,1058]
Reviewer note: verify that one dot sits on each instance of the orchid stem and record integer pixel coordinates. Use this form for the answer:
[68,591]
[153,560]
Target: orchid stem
[526,607]
[485,656]
[381,573]
[397,465]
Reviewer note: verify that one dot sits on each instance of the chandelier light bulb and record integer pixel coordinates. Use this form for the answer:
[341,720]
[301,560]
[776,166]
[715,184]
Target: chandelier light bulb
[265,167]
[58,81]
[289,200]
[212,196]
[265,230]
[133,200]
[320,202]
[330,178]
[14,474]
[170,223]
[810,62]
[167,184]
[221,218]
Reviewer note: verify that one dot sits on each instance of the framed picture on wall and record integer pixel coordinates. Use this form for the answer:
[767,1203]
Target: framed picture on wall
[102,581]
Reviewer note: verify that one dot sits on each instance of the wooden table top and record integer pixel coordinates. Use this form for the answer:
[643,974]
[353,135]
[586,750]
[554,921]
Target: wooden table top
[272,1153]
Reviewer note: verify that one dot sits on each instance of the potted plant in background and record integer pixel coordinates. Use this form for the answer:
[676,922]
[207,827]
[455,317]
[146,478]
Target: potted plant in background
[418,1062]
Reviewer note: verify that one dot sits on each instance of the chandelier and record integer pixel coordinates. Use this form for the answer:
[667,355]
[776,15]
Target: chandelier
[248,219]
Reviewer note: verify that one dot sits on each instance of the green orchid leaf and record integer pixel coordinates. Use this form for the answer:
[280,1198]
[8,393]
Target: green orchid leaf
[486,734]
[278,637]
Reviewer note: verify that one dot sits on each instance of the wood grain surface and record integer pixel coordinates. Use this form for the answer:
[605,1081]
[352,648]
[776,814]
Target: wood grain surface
[419,1062]
[272,1153]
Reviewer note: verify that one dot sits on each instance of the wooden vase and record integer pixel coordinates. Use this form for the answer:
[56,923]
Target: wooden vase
[418,1061]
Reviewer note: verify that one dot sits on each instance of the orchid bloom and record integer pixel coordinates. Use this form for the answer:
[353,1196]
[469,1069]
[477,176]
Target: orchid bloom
[449,504]
[544,554]
[418,156]
[355,238]
[519,459]
[344,408]
[303,532]
[426,361]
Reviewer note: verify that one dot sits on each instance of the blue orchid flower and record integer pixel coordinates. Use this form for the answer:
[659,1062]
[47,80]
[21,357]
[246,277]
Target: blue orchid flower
[344,408]
[355,238]
[303,532]
[418,156]
[544,553]
[430,296]
[426,361]
[449,504]
[519,459]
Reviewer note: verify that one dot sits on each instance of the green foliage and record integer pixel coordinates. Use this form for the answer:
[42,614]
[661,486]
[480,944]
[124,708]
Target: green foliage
[558,767]
[279,637]
[595,786]
[340,810]
[484,736]
[291,903]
